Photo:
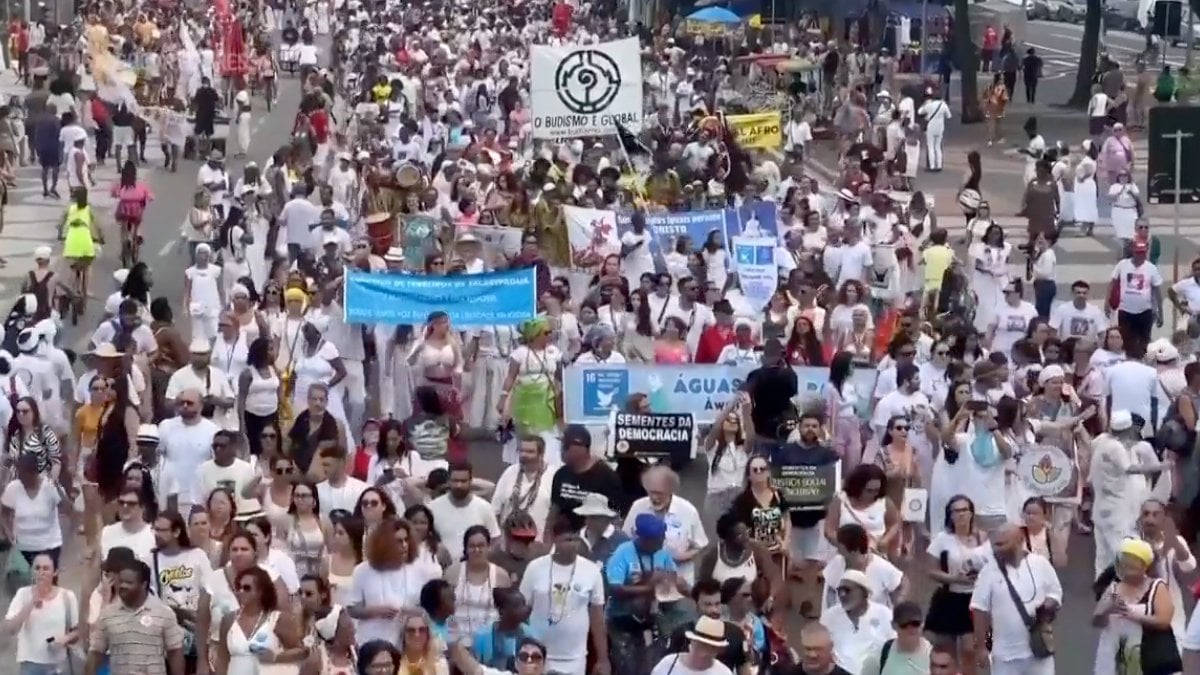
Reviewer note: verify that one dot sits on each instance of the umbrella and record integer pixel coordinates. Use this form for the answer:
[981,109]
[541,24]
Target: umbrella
[712,21]
[719,15]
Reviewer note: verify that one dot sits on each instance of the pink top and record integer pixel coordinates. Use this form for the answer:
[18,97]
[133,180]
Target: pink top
[138,193]
[664,353]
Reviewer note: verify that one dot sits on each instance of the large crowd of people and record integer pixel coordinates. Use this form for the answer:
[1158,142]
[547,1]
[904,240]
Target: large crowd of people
[251,483]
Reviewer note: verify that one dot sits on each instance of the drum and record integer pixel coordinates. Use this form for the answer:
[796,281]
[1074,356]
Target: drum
[409,176]
[380,232]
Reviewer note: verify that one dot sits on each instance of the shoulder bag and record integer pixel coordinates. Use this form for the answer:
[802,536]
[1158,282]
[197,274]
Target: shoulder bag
[1159,653]
[1041,633]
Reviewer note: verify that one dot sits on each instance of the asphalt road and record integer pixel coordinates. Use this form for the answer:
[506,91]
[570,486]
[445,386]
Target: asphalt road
[174,193]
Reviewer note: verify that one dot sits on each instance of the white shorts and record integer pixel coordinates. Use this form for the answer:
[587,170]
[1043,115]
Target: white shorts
[122,136]
[809,543]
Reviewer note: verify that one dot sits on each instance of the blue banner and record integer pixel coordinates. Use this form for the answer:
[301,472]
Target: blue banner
[591,392]
[493,298]
[753,220]
[754,259]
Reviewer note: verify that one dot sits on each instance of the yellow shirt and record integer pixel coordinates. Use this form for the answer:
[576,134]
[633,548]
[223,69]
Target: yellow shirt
[75,213]
[381,92]
[936,260]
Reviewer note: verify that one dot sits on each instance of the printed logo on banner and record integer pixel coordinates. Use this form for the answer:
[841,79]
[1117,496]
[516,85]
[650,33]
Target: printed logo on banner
[604,388]
[587,81]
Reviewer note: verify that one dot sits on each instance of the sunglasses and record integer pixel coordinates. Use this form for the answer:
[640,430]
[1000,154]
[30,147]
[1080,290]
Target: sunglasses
[759,469]
[900,427]
[416,630]
[372,502]
[283,471]
[530,657]
[911,624]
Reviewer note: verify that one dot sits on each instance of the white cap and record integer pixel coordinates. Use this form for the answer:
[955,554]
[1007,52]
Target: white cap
[147,433]
[42,253]
[199,346]
[1121,420]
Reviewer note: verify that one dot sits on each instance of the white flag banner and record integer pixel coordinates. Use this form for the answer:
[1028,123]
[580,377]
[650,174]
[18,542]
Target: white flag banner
[754,259]
[592,234]
[584,90]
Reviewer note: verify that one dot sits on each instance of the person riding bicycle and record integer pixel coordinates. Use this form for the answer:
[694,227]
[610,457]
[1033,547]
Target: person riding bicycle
[80,237]
[133,196]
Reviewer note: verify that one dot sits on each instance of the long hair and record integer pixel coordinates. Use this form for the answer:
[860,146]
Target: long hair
[112,450]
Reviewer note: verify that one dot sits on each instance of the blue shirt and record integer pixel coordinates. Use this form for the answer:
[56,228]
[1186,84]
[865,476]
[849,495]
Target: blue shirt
[626,561]
[494,655]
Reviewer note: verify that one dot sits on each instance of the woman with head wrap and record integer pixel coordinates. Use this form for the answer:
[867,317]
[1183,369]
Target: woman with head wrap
[202,293]
[318,360]
[1133,612]
[286,331]
[532,391]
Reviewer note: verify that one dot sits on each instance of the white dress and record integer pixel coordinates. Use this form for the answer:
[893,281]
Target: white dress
[1066,200]
[1121,629]
[243,661]
[1124,197]
[319,368]
[233,258]
[256,250]
[205,302]
[989,288]
[1087,207]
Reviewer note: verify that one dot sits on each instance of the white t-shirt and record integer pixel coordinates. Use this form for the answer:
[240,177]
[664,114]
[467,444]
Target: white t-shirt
[685,530]
[514,480]
[960,557]
[885,579]
[284,567]
[50,620]
[1035,581]
[1098,105]
[307,55]
[1136,283]
[852,643]
[142,542]
[1132,385]
[452,521]
[1069,321]
[560,597]
[181,577]
[1011,324]
[35,519]
[1188,291]
[344,498]
[184,448]
[914,406]
[672,665]
[399,588]
[984,484]
[638,261]
[856,260]
[235,477]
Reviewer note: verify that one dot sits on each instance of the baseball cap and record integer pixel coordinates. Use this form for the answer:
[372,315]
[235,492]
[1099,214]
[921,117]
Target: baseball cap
[576,434]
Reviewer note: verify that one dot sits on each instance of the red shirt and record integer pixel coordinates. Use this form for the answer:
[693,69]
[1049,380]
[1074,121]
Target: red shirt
[362,462]
[990,38]
[561,16]
[712,340]
[320,125]
[99,111]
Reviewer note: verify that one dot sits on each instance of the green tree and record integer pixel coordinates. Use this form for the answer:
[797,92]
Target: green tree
[966,57]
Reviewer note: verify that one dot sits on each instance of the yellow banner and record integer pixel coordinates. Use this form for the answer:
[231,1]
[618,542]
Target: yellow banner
[757,130]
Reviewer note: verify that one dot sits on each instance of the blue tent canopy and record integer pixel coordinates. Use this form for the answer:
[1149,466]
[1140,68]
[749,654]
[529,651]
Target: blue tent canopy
[715,15]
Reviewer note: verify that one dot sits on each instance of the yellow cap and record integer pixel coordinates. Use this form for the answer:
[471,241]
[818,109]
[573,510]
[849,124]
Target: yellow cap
[1138,549]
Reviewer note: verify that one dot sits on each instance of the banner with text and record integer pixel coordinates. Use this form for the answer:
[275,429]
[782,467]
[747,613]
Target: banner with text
[492,298]
[804,487]
[653,437]
[585,90]
[757,130]
[592,392]
[754,260]
[753,220]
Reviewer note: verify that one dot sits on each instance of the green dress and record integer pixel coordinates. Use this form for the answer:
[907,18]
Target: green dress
[534,409]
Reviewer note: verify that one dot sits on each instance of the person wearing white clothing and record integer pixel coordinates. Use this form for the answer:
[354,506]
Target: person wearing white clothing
[45,619]
[1028,576]
[1078,318]
[934,112]
[796,135]
[685,536]
[857,625]
[1126,202]
[566,594]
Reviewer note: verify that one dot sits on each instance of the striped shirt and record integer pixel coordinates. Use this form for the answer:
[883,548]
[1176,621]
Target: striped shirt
[137,640]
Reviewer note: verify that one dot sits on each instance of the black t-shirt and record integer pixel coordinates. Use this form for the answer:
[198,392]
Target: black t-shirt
[766,522]
[801,455]
[207,102]
[734,656]
[772,390]
[569,489]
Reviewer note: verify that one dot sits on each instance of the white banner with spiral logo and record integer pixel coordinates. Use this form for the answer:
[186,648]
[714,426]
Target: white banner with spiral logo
[585,90]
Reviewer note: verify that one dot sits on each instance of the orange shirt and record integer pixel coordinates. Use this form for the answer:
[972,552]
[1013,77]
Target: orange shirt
[87,420]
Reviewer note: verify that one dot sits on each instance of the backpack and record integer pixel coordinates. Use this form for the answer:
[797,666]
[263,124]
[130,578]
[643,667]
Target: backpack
[885,653]
[1172,434]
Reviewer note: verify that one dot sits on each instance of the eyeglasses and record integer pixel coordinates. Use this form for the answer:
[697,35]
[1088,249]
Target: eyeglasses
[128,502]
[900,427]
[246,588]
[530,657]
[371,502]
[416,630]
[759,469]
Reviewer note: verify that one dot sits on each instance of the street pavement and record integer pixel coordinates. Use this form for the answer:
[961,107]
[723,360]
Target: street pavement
[174,192]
